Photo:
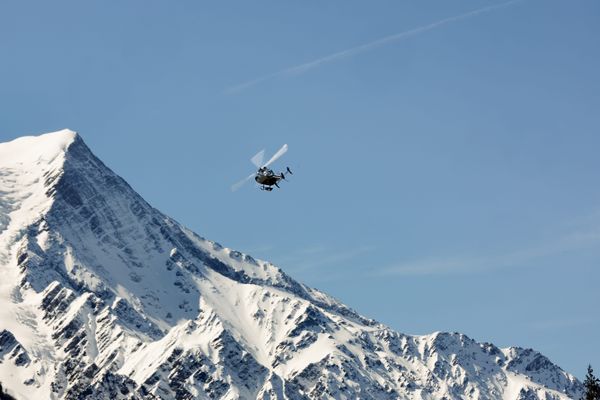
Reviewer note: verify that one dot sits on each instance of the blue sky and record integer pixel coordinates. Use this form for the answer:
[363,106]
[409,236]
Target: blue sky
[446,179]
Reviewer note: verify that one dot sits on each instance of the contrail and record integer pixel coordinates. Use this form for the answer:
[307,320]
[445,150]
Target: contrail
[302,68]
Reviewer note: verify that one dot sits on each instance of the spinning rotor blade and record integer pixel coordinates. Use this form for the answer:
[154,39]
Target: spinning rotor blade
[279,153]
[259,159]
[238,185]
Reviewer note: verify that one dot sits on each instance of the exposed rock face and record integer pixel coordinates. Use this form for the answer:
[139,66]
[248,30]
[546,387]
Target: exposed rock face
[104,297]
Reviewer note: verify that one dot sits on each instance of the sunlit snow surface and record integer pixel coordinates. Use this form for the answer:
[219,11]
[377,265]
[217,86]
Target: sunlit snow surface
[104,297]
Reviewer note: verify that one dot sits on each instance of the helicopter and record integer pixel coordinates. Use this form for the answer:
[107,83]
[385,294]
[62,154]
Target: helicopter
[265,176]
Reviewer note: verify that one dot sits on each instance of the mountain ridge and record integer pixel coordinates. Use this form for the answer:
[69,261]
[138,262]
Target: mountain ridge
[106,297]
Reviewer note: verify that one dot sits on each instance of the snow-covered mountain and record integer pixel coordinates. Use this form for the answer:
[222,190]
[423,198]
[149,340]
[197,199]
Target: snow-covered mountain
[104,297]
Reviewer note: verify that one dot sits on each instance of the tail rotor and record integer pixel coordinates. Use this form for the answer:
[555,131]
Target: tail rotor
[289,171]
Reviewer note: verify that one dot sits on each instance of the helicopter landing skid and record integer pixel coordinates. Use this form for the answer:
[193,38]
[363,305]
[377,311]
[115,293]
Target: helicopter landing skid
[267,188]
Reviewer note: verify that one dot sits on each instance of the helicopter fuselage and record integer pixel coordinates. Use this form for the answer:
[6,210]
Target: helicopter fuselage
[267,177]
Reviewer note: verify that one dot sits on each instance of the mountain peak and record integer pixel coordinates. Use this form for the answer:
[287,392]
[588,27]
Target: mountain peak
[28,167]
[28,149]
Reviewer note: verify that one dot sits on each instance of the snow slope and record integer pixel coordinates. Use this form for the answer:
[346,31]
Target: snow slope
[104,297]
